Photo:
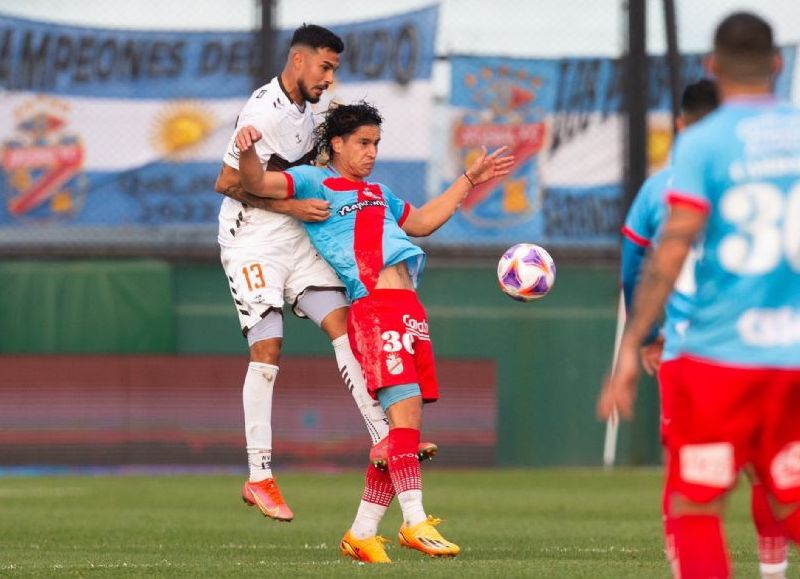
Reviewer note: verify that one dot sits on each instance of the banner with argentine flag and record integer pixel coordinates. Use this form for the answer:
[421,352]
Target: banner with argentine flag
[563,119]
[112,139]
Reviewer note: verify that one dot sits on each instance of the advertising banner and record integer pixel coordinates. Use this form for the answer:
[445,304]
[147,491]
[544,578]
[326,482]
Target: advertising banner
[114,138]
[563,120]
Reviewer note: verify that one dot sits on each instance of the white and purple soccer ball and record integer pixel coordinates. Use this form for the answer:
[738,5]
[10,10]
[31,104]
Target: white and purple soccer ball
[526,272]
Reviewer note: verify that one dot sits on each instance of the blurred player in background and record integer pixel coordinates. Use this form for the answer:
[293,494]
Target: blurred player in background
[267,258]
[366,241]
[735,387]
[641,230]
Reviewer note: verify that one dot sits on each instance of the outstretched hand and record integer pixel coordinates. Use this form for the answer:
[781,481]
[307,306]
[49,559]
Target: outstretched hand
[484,168]
[247,136]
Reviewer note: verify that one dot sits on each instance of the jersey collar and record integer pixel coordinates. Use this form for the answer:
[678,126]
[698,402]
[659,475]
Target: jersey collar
[288,96]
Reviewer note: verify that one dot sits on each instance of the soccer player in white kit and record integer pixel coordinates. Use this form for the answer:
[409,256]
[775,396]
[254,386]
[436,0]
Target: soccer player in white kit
[268,258]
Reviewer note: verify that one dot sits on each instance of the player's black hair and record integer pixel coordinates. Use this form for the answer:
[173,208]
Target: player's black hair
[744,47]
[700,98]
[343,120]
[317,37]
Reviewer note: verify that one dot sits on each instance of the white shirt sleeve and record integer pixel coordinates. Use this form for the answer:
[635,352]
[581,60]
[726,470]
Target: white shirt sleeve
[254,113]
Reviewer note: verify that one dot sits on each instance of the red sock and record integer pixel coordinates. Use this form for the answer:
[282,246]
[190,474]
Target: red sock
[791,526]
[669,525]
[701,548]
[773,546]
[378,487]
[403,462]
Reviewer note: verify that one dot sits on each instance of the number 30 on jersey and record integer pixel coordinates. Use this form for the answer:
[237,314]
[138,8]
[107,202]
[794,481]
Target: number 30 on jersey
[768,228]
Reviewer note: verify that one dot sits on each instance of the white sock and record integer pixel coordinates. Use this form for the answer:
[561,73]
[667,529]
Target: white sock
[350,369]
[774,570]
[368,517]
[411,505]
[257,402]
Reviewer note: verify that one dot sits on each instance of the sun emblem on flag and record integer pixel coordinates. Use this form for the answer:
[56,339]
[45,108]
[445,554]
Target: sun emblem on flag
[180,127]
[43,162]
[659,144]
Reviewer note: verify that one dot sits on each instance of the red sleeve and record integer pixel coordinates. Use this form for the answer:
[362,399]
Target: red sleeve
[289,185]
[634,237]
[404,216]
[679,199]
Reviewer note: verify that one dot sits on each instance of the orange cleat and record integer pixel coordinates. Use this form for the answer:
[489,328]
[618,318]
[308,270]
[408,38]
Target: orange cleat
[378,454]
[267,497]
[425,538]
[369,550]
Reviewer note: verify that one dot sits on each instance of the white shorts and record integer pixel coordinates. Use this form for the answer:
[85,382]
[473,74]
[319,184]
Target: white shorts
[263,277]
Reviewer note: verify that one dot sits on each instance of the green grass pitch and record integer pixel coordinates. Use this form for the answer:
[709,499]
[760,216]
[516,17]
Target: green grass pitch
[509,523]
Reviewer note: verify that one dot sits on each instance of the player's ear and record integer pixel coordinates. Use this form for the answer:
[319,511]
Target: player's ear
[777,63]
[336,144]
[297,58]
[711,65]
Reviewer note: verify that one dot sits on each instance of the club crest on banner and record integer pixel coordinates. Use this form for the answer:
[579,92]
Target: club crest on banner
[43,163]
[505,113]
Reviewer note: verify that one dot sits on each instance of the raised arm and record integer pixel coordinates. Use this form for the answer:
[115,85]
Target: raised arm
[435,213]
[254,179]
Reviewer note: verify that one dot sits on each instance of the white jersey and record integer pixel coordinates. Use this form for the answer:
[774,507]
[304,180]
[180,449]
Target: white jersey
[287,141]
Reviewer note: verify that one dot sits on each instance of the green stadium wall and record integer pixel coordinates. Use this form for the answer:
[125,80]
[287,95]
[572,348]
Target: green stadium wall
[550,356]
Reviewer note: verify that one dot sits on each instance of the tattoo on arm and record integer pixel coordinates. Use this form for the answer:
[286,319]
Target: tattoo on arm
[237,192]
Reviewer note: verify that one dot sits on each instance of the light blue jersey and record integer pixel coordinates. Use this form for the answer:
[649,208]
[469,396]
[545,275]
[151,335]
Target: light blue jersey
[648,209]
[362,236]
[742,165]
[642,228]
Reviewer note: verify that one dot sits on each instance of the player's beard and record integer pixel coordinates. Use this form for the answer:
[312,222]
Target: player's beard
[305,94]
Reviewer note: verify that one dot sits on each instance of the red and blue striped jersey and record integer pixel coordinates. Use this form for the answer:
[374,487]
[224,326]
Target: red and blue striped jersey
[363,234]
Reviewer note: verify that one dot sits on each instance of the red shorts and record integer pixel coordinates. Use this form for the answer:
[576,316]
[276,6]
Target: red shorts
[725,417]
[665,378]
[388,333]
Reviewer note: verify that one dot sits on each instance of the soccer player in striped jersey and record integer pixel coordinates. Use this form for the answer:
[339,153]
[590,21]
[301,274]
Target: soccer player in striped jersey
[736,384]
[366,241]
[268,258]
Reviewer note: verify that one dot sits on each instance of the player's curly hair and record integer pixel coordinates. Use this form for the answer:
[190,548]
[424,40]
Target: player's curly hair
[343,120]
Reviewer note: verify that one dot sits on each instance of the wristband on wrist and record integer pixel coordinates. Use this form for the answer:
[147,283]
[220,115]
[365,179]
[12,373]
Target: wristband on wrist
[471,182]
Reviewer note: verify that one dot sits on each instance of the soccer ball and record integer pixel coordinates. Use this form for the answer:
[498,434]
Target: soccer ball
[526,272]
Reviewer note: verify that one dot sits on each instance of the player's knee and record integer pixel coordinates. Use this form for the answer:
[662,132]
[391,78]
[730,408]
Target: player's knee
[402,405]
[266,351]
[326,307]
[335,323]
[682,505]
[265,339]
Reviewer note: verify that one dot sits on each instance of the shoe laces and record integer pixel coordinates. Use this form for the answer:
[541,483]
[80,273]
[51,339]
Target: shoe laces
[272,490]
[434,521]
[381,540]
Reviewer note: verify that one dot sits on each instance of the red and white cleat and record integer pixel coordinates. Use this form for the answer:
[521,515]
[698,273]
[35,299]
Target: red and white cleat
[267,497]
[378,454]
